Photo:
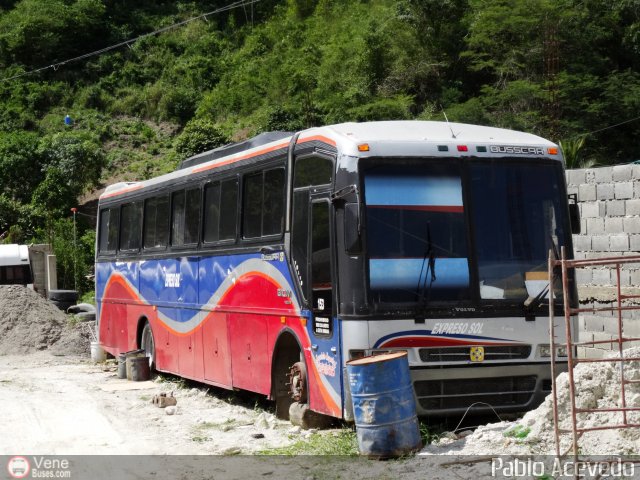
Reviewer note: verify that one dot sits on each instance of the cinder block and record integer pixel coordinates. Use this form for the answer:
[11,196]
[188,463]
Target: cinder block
[632,207]
[592,209]
[595,226]
[572,189]
[585,336]
[622,173]
[624,190]
[636,171]
[593,324]
[603,174]
[600,243]
[603,336]
[631,225]
[601,276]
[604,191]
[619,243]
[613,225]
[587,192]
[615,208]
[631,328]
[634,243]
[635,277]
[584,276]
[582,242]
[576,177]
[594,353]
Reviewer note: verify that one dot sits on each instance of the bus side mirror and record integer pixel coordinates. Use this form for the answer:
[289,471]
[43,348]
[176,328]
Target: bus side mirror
[352,238]
[574,213]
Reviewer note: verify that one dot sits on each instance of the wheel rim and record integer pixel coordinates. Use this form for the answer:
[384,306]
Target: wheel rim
[298,382]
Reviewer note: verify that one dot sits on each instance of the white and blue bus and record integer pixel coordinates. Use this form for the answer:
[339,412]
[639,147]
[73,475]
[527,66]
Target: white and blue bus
[268,264]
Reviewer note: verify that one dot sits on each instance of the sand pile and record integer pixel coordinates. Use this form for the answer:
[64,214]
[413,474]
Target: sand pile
[29,323]
[598,386]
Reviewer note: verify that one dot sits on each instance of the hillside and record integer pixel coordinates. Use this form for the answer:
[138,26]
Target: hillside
[562,69]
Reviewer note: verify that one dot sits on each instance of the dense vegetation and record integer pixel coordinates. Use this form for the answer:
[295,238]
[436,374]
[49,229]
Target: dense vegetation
[563,69]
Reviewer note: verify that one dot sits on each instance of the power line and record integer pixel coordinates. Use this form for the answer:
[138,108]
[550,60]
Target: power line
[606,128]
[55,66]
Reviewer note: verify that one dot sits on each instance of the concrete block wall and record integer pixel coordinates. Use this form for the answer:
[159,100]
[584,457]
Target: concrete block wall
[609,201]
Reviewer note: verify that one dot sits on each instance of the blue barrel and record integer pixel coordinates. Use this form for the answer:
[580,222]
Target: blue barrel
[384,405]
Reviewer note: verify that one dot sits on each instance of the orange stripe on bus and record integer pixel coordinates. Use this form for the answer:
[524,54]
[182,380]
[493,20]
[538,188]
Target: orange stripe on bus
[120,192]
[204,168]
[319,138]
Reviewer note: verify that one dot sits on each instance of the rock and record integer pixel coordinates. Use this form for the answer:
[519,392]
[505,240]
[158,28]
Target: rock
[232,451]
[295,430]
[257,435]
[465,433]
[172,410]
[449,435]
[226,427]
[261,421]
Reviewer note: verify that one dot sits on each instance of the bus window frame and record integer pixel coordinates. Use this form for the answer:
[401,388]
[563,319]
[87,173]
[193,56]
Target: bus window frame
[228,241]
[185,187]
[273,238]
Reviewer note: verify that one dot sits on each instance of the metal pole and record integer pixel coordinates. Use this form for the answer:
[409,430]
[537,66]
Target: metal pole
[75,251]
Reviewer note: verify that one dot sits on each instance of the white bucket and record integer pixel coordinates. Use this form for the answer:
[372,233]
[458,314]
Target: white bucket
[97,353]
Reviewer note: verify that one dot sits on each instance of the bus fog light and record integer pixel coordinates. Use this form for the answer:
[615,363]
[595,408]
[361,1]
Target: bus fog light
[561,351]
[545,351]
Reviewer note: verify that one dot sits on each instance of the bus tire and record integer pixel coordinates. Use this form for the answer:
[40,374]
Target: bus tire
[148,344]
[287,352]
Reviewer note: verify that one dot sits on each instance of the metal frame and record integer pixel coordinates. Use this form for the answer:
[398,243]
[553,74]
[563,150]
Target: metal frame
[618,306]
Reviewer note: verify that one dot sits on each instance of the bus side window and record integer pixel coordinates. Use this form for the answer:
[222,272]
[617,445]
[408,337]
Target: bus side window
[220,210]
[185,226]
[109,225]
[131,225]
[263,203]
[156,222]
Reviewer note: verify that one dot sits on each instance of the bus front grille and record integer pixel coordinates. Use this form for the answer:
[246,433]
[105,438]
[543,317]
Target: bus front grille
[462,393]
[461,354]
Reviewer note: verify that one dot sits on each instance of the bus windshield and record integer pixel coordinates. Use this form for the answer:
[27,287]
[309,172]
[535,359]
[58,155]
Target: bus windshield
[457,232]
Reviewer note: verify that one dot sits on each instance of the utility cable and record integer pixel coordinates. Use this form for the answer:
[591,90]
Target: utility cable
[55,66]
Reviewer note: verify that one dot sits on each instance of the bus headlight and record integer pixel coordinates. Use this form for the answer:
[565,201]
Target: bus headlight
[545,351]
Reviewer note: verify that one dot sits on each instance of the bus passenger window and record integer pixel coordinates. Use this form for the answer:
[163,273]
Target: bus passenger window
[312,171]
[109,224]
[212,212]
[185,217]
[228,209]
[252,206]
[273,202]
[156,222]
[130,226]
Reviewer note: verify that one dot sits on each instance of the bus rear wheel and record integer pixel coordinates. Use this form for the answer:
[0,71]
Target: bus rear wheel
[149,346]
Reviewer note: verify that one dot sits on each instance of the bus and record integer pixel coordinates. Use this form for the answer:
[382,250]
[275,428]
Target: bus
[266,265]
[15,265]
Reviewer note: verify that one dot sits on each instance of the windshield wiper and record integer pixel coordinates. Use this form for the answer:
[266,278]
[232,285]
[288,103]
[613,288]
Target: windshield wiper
[421,289]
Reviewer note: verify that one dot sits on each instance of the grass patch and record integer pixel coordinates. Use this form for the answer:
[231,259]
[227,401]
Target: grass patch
[343,442]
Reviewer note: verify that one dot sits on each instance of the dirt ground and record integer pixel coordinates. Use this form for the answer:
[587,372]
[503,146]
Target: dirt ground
[68,405]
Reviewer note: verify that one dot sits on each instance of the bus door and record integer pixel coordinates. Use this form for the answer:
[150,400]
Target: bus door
[312,248]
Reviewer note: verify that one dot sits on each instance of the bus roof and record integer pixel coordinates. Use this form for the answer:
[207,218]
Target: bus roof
[387,138]
[13,254]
